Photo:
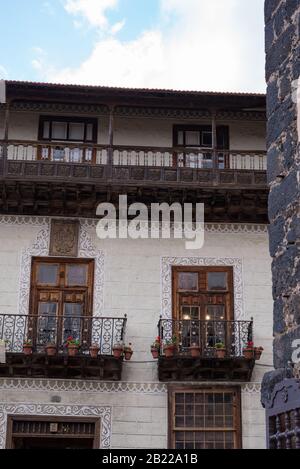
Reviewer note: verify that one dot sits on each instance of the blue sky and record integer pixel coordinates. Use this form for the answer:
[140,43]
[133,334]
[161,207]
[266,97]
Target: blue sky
[181,44]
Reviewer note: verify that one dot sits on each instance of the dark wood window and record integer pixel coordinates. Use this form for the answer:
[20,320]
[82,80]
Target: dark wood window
[204,418]
[68,129]
[61,295]
[203,297]
[199,137]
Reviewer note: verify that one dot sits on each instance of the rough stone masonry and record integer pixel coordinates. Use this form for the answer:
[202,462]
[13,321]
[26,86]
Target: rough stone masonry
[282,69]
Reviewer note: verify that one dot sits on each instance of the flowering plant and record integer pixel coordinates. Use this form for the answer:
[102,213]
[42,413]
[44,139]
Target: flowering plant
[156,344]
[220,346]
[173,341]
[73,342]
[27,343]
[250,345]
[127,348]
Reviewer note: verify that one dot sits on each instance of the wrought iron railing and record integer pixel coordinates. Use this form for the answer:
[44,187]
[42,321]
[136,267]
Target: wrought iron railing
[196,158]
[235,335]
[42,330]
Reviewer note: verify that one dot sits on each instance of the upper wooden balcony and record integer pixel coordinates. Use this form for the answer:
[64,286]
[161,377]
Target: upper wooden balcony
[58,178]
[133,165]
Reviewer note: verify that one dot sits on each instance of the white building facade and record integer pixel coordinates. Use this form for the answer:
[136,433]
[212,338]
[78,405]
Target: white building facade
[66,149]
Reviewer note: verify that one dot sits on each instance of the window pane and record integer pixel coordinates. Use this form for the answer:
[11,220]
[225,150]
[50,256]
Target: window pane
[89,132]
[46,130]
[58,154]
[47,323]
[217,280]
[76,131]
[59,130]
[180,138]
[72,321]
[188,281]
[47,274]
[192,138]
[76,275]
[207,139]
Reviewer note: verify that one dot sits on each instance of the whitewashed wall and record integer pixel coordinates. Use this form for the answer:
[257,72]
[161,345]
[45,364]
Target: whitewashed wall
[244,135]
[132,282]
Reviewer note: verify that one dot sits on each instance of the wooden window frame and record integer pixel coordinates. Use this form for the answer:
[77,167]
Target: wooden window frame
[229,291]
[173,389]
[189,128]
[32,418]
[68,120]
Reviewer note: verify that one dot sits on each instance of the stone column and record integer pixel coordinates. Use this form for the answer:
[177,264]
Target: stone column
[282,69]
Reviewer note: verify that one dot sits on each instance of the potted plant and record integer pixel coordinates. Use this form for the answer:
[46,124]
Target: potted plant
[72,346]
[51,349]
[155,348]
[27,347]
[118,350]
[257,352]
[170,346]
[220,350]
[94,350]
[195,351]
[249,350]
[128,352]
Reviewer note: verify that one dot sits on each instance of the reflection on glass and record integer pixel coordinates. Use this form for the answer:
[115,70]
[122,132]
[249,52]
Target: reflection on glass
[47,274]
[72,321]
[188,281]
[47,323]
[76,275]
[217,281]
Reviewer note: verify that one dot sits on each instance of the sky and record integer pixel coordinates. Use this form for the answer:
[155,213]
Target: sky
[210,45]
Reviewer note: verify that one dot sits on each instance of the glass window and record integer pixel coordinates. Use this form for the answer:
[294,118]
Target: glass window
[192,138]
[47,274]
[76,131]
[89,132]
[207,139]
[217,281]
[76,275]
[46,130]
[205,420]
[59,130]
[188,281]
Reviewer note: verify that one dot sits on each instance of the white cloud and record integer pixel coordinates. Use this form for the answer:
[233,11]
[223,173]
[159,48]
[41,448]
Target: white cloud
[3,72]
[94,11]
[117,27]
[198,44]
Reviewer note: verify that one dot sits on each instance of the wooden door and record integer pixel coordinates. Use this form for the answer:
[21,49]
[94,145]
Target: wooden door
[203,305]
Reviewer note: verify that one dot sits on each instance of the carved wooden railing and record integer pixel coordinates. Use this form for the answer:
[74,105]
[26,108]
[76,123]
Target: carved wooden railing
[129,156]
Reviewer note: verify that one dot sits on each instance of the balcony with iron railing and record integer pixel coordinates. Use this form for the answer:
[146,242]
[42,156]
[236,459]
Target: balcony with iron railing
[208,337]
[133,164]
[101,333]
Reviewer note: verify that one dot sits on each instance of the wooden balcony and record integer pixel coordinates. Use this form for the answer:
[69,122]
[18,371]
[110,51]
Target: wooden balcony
[32,174]
[208,366]
[42,330]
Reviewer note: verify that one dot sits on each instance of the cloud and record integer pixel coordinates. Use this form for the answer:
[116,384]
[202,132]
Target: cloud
[94,11]
[3,72]
[197,44]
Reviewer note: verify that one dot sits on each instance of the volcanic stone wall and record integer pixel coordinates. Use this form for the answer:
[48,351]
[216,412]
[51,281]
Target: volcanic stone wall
[282,69]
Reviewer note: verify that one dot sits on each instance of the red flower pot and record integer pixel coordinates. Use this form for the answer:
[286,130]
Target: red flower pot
[117,352]
[169,351]
[128,354]
[27,349]
[51,350]
[221,353]
[155,352]
[249,353]
[257,353]
[72,350]
[94,351]
[195,351]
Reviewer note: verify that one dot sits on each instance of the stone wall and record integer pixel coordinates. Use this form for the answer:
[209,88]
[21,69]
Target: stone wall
[282,69]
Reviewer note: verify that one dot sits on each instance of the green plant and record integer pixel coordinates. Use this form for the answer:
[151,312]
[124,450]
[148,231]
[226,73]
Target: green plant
[220,346]
[72,342]
[156,344]
[173,341]
[27,343]
[128,348]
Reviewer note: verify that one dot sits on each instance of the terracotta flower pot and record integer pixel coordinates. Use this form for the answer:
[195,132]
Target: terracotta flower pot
[249,353]
[51,350]
[27,349]
[72,350]
[257,353]
[117,352]
[94,351]
[195,351]
[169,351]
[155,352]
[221,352]
[128,354]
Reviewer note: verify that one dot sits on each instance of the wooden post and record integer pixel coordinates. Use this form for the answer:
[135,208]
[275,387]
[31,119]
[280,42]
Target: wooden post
[6,135]
[214,140]
[110,139]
